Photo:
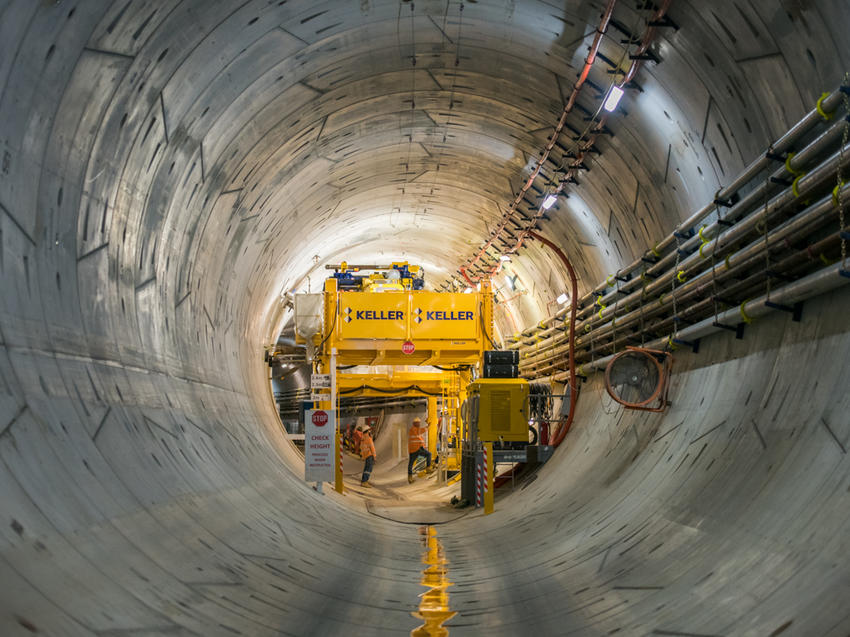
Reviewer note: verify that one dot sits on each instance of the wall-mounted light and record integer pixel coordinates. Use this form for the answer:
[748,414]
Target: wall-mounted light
[562,299]
[504,257]
[613,98]
[549,201]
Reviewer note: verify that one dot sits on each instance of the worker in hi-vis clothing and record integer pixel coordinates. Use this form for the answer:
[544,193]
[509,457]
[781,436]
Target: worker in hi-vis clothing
[356,437]
[416,447]
[367,452]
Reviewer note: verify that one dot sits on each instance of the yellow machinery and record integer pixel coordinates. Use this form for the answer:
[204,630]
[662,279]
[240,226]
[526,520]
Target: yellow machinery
[385,318]
[405,327]
[499,408]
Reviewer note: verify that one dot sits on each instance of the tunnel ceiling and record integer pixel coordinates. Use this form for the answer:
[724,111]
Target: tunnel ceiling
[285,135]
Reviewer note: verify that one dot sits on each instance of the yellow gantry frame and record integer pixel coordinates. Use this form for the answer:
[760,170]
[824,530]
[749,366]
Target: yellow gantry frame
[370,328]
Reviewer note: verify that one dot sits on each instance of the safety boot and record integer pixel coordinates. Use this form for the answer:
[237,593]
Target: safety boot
[410,479]
[368,485]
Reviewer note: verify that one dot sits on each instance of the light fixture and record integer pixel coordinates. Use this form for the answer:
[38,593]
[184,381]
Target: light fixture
[468,291]
[562,299]
[613,98]
[504,257]
[510,282]
[549,201]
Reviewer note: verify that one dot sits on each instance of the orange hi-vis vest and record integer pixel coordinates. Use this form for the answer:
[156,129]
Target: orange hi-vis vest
[367,447]
[416,438]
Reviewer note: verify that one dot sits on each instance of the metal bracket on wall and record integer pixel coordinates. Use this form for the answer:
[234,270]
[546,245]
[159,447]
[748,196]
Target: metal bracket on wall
[694,345]
[796,310]
[738,329]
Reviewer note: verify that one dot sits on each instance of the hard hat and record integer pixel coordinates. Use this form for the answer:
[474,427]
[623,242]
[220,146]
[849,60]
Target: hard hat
[417,419]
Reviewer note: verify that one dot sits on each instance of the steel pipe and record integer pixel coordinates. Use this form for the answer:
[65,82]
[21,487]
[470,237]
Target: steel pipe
[742,258]
[807,184]
[820,282]
[830,104]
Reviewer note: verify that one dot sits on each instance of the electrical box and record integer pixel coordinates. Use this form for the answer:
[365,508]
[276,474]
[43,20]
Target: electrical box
[500,408]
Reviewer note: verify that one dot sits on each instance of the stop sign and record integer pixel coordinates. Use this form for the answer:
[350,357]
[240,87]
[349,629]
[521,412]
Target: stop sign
[320,418]
[408,347]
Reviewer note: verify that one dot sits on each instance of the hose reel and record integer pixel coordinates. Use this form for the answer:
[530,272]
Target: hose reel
[639,378]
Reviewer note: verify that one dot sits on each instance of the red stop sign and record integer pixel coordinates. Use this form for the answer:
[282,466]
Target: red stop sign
[408,347]
[320,418]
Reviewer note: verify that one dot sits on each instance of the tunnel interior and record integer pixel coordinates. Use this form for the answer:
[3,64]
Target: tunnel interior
[171,170]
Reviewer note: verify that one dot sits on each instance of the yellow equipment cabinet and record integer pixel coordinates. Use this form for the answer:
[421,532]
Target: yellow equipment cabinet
[399,326]
[500,406]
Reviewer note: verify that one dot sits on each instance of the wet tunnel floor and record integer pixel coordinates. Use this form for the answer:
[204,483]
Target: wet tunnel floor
[434,606]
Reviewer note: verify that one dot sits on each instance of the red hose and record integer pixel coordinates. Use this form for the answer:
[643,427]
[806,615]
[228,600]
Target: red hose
[565,427]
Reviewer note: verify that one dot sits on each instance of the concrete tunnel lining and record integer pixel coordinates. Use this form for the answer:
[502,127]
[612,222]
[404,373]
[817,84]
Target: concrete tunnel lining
[168,169]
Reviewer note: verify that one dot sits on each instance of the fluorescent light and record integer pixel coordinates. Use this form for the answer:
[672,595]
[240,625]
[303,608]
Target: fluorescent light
[562,299]
[613,98]
[504,257]
[549,201]
[468,291]
[510,282]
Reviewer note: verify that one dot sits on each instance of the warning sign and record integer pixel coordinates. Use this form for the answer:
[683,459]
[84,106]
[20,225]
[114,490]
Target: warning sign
[408,347]
[320,381]
[319,437]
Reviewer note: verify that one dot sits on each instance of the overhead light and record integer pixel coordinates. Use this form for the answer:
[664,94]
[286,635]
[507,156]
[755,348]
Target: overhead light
[510,281]
[613,98]
[468,291]
[549,201]
[504,257]
[562,299]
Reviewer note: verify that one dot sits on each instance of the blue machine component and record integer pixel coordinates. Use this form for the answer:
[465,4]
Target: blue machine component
[416,284]
[348,280]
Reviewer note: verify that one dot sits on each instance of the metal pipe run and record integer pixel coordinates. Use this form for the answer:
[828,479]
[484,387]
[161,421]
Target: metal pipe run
[740,289]
[820,282]
[783,144]
[779,203]
[710,250]
[793,163]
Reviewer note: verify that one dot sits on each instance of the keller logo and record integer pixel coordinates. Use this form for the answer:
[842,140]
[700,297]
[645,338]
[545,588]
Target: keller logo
[443,315]
[372,315]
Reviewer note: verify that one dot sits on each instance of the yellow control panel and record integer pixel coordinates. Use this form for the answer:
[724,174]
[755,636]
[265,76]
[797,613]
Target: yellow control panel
[500,407]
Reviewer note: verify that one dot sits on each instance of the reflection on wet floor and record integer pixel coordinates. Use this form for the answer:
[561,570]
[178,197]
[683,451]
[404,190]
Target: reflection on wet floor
[434,605]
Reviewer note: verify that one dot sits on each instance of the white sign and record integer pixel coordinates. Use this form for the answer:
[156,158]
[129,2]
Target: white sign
[319,441]
[315,397]
[320,381]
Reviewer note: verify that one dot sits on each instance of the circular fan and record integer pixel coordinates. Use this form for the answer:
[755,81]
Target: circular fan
[635,378]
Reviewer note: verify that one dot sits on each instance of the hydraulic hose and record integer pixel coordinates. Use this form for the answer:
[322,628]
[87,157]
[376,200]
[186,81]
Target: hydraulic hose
[565,427]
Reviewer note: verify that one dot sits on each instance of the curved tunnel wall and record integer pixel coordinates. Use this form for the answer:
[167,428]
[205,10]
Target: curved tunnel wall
[170,168]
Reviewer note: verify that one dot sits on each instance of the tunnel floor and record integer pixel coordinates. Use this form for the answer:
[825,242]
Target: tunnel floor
[392,497]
